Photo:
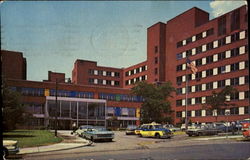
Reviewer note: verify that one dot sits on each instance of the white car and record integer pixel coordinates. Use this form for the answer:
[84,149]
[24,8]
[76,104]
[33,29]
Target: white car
[83,128]
[9,147]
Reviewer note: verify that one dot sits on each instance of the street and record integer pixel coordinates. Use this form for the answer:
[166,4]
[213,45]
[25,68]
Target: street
[133,147]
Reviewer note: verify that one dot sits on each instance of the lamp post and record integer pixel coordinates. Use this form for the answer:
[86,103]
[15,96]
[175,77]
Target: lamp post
[56,119]
[227,113]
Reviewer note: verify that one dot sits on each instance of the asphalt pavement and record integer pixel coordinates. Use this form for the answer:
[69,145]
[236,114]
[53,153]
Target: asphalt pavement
[72,141]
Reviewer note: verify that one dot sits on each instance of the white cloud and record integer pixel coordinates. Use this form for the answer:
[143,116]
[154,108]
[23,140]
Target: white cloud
[220,7]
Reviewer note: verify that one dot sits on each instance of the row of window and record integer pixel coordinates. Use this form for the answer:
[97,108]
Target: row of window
[214,85]
[63,93]
[104,73]
[195,37]
[120,97]
[202,113]
[121,111]
[34,108]
[103,82]
[214,44]
[216,57]
[135,71]
[212,72]
[201,100]
[137,79]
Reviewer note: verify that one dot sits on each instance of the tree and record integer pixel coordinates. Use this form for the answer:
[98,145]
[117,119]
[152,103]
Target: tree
[13,112]
[156,105]
[219,100]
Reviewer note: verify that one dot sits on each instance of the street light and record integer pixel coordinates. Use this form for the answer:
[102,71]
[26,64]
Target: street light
[56,121]
[227,113]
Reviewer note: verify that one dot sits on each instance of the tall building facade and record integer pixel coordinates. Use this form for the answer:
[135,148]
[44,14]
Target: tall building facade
[218,48]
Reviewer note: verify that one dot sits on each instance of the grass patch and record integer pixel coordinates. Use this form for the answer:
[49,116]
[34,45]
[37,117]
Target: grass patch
[32,138]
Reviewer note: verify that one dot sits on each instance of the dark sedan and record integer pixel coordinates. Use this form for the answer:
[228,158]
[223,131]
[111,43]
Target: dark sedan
[203,130]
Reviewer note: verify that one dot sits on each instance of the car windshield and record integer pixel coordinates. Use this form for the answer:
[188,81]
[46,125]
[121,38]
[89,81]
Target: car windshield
[158,126]
[86,127]
[100,128]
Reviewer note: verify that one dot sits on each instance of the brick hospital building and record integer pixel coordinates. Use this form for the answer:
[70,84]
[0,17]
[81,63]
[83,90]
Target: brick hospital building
[217,47]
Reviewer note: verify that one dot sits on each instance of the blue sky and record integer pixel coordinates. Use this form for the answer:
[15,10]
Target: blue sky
[52,35]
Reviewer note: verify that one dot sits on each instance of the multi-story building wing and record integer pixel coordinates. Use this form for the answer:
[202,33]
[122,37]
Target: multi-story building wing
[218,48]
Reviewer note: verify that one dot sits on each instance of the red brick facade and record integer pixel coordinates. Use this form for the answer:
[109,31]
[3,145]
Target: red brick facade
[217,47]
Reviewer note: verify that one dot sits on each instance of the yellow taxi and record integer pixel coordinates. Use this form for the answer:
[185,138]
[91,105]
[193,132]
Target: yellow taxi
[153,130]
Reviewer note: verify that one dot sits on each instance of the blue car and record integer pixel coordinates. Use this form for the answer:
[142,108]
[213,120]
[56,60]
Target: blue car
[98,133]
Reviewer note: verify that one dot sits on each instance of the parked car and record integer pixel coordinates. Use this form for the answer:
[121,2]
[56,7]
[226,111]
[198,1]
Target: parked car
[246,130]
[98,133]
[138,129]
[171,127]
[202,130]
[9,147]
[130,130]
[155,130]
[82,128]
[223,127]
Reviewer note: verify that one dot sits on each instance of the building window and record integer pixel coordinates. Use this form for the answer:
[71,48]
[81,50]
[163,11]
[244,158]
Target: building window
[179,56]
[221,69]
[156,49]
[198,49]
[209,72]
[156,60]
[126,73]
[221,112]
[209,59]
[221,42]
[198,75]
[234,96]
[234,67]
[235,52]
[208,113]
[126,82]
[234,81]
[178,102]
[117,74]
[178,114]
[189,40]
[209,86]
[179,91]
[199,36]
[179,44]
[235,20]
[198,100]
[221,83]
[179,79]
[91,71]
[188,52]
[234,110]
[108,73]
[179,67]
[247,110]
[198,62]
[222,25]
[91,80]
[117,83]
[156,70]
[197,113]
[221,56]
[143,68]
[210,46]
[189,113]
[198,87]
[246,94]
[210,32]
[235,37]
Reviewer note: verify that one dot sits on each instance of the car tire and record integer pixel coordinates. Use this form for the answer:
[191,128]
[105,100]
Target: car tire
[157,135]
[5,153]
[199,134]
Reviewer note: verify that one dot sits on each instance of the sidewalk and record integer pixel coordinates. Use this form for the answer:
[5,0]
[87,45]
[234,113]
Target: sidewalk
[69,142]
[219,137]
